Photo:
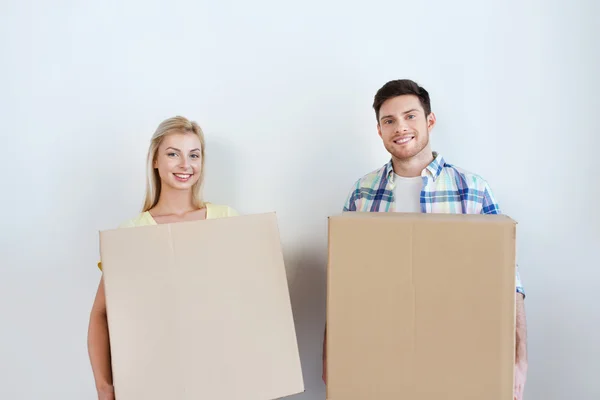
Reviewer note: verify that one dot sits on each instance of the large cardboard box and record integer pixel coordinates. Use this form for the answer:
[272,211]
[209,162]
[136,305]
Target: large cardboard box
[420,307]
[200,310]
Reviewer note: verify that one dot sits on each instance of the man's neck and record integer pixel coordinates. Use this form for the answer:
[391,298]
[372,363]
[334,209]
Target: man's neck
[174,202]
[413,166]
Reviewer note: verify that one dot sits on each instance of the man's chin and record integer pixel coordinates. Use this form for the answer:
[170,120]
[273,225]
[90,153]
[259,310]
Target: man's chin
[404,155]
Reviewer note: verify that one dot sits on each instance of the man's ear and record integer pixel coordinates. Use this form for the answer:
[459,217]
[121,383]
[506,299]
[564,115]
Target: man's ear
[430,121]
[379,130]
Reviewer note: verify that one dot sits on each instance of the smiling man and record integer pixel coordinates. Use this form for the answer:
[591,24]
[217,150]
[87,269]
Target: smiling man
[417,179]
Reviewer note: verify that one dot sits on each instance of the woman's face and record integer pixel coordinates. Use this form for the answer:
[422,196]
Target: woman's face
[179,160]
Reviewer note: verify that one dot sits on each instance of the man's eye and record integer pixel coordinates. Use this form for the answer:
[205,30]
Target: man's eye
[411,116]
[387,121]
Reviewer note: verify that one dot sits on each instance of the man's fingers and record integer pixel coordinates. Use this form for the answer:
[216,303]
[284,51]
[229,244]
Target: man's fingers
[518,392]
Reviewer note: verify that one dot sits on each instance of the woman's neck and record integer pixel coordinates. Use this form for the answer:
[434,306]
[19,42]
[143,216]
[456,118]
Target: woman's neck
[174,202]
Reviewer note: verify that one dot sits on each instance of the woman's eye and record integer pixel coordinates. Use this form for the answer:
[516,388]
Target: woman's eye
[194,156]
[171,154]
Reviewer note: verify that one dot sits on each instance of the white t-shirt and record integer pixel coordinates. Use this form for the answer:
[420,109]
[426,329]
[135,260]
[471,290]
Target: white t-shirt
[408,193]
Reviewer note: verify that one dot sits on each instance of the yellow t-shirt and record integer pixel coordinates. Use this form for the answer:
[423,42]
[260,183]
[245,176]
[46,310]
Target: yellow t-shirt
[212,211]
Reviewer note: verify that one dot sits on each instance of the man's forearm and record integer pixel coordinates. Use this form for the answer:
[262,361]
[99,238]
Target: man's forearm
[325,344]
[521,331]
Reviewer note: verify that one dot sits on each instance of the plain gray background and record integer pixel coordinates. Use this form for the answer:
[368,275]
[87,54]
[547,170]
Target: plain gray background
[284,92]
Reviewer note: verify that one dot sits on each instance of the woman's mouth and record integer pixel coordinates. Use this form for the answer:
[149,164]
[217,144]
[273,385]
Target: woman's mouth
[183,177]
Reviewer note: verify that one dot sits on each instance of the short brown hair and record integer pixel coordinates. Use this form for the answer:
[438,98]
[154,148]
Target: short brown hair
[401,87]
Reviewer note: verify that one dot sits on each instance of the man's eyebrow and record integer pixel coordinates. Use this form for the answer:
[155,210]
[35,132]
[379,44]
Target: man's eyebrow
[409,111]
[404,113]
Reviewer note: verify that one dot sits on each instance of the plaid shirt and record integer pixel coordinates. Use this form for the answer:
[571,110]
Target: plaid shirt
[446,189]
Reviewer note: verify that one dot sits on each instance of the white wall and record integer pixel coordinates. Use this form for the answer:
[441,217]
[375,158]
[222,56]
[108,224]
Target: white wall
[284,94]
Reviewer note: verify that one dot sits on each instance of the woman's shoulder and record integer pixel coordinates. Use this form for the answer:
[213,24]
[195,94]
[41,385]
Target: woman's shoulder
[212,211]
[219,211]
[141,219]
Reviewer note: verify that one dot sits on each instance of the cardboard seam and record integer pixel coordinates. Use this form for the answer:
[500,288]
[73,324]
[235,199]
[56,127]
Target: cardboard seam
[172,265]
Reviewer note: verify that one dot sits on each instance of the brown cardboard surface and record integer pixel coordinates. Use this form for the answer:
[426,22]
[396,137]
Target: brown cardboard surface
[420,307]
[200,310]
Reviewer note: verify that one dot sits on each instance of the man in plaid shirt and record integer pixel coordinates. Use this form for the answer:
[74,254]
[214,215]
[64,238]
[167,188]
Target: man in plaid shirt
[417,179]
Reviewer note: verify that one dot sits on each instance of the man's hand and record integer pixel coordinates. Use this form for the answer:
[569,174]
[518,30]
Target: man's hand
[521,349]
[520,378]
[106,393]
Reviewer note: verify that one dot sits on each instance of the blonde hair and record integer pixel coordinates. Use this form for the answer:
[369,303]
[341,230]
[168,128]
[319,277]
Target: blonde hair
[153,186]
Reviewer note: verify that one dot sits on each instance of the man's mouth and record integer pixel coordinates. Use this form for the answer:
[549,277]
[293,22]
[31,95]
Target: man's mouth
[183,177]
[403,139]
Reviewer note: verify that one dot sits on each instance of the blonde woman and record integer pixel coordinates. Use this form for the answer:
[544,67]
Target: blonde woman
[175,174]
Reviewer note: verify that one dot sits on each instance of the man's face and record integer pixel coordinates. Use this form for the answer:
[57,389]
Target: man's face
[403,126]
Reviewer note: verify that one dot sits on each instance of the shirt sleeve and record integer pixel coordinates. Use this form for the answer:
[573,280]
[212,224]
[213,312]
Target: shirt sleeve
[518,283]
[354,195]
[489,204]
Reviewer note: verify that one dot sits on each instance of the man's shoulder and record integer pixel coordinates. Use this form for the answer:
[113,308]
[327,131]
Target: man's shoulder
[368,188]
[465,177]
[371,179]
[472,190]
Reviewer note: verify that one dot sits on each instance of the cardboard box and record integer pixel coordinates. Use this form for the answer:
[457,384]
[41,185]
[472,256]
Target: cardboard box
[420,307]
[200,310]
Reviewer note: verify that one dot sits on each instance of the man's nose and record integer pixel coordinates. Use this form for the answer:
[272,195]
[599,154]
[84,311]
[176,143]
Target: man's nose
[402,126]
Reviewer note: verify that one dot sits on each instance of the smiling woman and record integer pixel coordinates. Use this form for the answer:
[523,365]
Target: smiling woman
[174,179]
[177,147]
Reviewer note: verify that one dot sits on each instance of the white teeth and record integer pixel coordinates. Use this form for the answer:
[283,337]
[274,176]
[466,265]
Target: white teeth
[182,176]
[403,140]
